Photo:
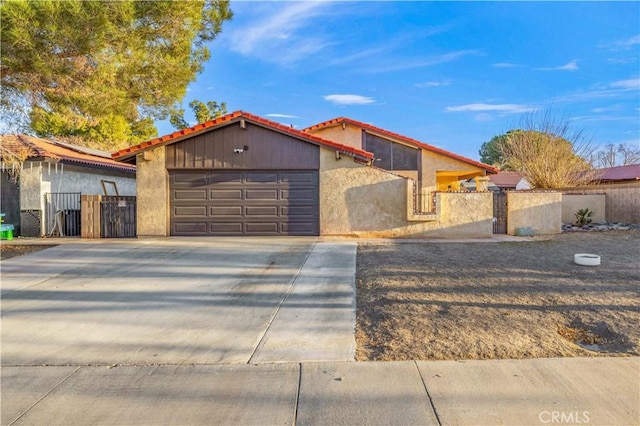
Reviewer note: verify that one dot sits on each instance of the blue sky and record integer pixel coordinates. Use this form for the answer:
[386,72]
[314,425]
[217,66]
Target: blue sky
[451,74]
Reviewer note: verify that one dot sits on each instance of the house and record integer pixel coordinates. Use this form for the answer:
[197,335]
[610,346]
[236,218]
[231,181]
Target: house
[509,181]
[621,174]
[242,174]
[434,168]
[50,177]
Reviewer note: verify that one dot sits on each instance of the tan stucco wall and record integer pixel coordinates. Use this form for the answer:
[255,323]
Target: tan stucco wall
[152,194]
[571,203]
[540,211]
[350,135]
[362,201]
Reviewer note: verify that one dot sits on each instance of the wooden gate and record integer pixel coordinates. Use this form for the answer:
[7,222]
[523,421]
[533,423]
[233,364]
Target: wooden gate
[500,212]
[118,216]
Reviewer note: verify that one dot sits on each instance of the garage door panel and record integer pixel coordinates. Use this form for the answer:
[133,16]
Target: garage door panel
[193,211]
[254,177]
[190,228]
[261,194]
[225,194]
[230,228]
[225,178]
[262,211]
[262,228]
[225,211]
[244,203]
[297,179]
[190,194]
[298,195]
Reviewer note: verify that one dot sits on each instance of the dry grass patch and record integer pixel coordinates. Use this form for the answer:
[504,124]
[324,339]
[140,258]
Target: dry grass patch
[424,300]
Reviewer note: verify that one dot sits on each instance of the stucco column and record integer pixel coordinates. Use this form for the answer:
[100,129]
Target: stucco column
[482,183]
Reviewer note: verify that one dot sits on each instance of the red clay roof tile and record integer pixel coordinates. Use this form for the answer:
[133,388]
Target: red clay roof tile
[180,134]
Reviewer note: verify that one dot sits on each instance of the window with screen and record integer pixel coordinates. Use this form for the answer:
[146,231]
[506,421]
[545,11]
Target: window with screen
[391,156]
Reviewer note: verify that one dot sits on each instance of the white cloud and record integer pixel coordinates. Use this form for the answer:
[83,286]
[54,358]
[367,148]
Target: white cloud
[570,66]
[483,117]
[505,65]
[275,115]
[349,99]
[433,84]
[277,36]
[624,44]
[504,108]
[633,83]
[400,65]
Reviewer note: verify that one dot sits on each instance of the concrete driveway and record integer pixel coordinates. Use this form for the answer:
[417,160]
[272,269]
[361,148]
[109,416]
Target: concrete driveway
[180,301]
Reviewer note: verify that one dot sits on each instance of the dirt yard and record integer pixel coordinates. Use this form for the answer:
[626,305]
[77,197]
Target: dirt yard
[421,300]
[8,251]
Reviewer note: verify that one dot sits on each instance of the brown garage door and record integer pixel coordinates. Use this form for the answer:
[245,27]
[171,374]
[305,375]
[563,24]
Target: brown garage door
[244,202]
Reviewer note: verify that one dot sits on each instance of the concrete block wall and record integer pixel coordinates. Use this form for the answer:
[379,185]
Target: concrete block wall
[571,203]
[622,201]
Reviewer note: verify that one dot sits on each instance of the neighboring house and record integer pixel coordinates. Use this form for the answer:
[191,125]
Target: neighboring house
[51,179]
[509,181]
[244,175]
[621,174]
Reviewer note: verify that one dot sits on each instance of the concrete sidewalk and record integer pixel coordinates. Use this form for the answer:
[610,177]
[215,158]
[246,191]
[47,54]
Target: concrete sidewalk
[594,391]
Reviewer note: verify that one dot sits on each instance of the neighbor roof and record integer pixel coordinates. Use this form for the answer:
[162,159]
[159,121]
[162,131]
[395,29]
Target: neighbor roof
[400,138]
[236,116]
[34,148]
[506,179]
[628,172]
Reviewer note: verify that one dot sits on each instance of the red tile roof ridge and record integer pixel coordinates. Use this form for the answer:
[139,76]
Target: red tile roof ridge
[399,137]
[247,115]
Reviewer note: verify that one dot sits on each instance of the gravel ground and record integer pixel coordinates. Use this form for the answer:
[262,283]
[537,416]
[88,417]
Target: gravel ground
[424,300]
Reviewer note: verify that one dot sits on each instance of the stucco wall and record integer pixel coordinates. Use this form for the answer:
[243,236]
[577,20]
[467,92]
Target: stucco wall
[571,203]
[152,194]
[362,201]
[350,135]
[68,178]
[540,211]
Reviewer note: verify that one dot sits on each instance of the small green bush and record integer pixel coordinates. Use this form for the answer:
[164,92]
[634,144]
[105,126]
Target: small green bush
[583,217]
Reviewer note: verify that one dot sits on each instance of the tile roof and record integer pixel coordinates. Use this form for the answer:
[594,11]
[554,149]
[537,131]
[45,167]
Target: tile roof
[400,138]
[628,172]
[506,179]
[127,153]
[65,153]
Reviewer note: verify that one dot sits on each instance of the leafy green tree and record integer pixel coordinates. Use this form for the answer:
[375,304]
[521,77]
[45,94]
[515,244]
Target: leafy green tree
[100,72]
[203,113]
[491,152]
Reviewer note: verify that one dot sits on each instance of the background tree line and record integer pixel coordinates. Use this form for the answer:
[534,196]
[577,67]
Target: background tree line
[549,154]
